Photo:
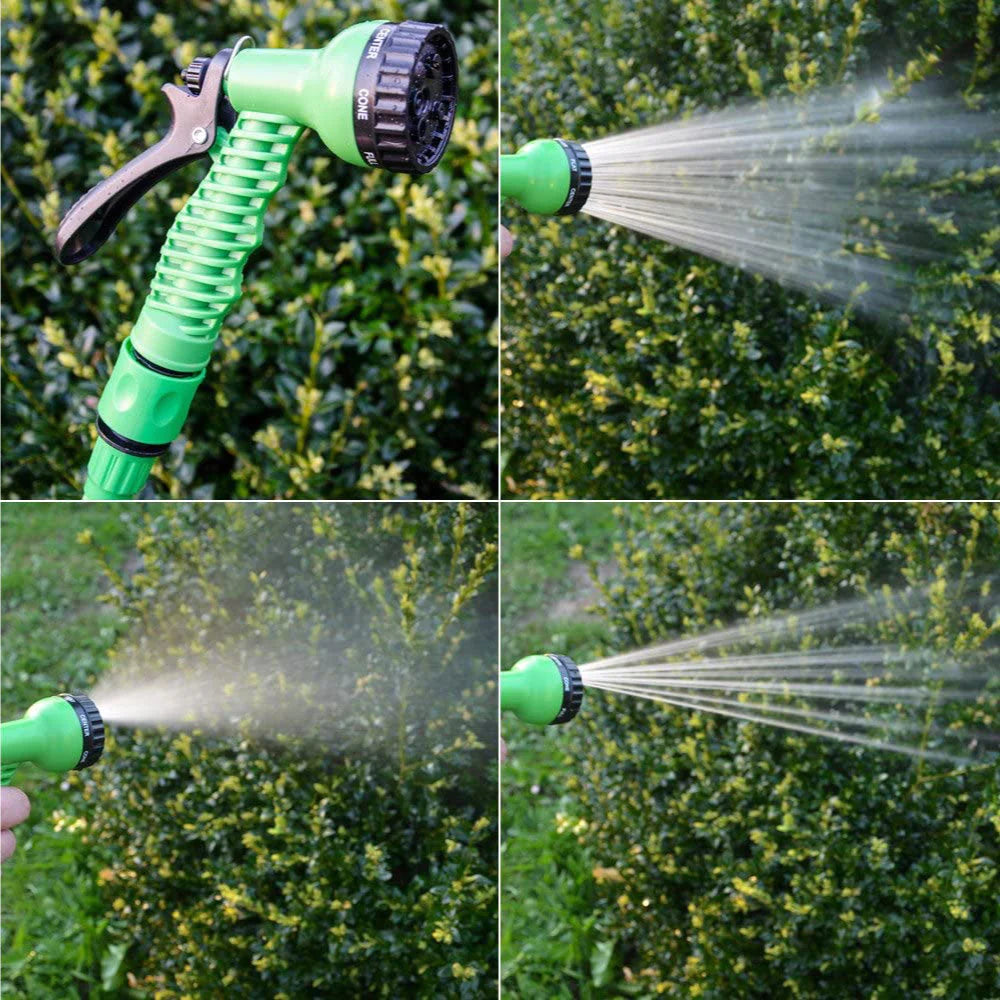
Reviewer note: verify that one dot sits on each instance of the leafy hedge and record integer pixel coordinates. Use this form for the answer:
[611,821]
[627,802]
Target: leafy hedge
[357,858]
[361,360]
[735,859]
[633,369]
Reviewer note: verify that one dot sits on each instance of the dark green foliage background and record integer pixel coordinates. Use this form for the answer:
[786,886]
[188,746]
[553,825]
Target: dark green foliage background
[751,862]
[634,369]
[402,408]
[359,859]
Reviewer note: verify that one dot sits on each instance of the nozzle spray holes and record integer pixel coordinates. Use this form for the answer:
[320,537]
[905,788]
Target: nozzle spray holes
[405,97]
[426,94]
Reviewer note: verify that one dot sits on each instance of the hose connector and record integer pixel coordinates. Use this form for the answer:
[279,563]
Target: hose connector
[91,729]
[544,690]
[547,176]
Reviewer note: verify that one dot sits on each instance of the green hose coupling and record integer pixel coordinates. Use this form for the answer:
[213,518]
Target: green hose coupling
[545,690]
[62,733]
[113,474]
[547,176]
[142,409]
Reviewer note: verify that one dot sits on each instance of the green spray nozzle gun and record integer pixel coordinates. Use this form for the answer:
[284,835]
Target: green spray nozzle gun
[62,733]
[380,94]
[547,176]
[544,690]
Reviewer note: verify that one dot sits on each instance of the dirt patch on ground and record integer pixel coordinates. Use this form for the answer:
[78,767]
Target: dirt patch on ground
[583,593]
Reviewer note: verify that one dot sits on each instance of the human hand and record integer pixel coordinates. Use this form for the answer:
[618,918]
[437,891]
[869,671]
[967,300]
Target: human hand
[14,809]
[506,242]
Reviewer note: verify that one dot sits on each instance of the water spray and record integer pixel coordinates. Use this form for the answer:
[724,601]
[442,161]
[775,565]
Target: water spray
[900,699]
[542,690]
[61,733]
[839,194]
[380,94]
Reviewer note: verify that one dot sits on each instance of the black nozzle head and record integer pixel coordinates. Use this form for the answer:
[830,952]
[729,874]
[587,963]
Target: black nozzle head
[92,727]
[581,176]
[408,81]
[572,684]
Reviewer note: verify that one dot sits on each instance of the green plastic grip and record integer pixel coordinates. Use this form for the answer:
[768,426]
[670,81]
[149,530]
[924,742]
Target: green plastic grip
[198,278]
[312,86]
[200,272]
[533,690]
[48,735]
[537,176]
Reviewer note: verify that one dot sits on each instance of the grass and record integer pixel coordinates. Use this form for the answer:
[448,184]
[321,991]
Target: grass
[548,943]
[535,542]
[552,940]
[57,937]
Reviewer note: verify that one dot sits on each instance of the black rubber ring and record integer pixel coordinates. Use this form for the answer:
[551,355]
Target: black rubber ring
[127,445]
[366,81]
[91,729]
[159,369]
[580,177]
[572,682]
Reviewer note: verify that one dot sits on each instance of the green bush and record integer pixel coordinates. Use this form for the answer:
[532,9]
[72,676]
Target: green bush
[743,861]
[634,369]
[357,858]
[361,359]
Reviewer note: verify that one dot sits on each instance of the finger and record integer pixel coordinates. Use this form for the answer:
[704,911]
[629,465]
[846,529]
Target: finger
[7,844]
[14,807]
[506,242]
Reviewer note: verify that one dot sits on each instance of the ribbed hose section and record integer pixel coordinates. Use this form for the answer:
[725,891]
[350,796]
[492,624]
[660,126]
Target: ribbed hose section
[198,277]
[200,271]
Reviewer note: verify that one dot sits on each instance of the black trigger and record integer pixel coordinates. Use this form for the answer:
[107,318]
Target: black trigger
[194,120]
[176,96]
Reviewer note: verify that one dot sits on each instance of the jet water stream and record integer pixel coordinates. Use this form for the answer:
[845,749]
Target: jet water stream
[911,697]
[840,194]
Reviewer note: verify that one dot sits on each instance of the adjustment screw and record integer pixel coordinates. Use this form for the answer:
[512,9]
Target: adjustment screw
[199,135]
[194,75]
